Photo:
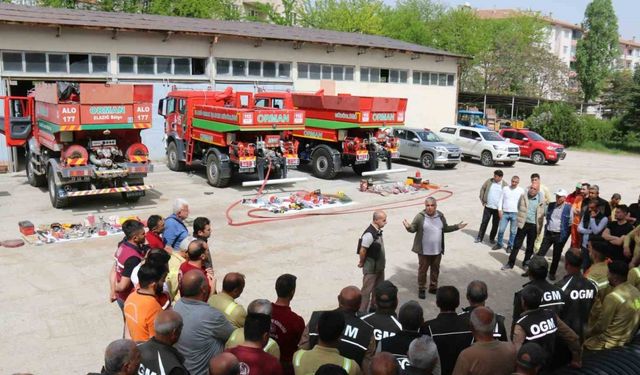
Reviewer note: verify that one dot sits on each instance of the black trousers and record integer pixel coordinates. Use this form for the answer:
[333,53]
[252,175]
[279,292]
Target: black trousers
[489,213]
[529,231]
[552,239]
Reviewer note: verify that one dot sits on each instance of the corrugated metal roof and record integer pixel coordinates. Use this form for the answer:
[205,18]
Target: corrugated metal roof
[10,13]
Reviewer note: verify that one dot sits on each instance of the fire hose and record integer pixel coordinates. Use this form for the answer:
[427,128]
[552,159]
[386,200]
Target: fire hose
[262,218]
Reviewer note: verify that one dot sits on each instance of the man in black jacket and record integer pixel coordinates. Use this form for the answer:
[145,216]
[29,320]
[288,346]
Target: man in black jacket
[384,321]
[450,331]
[158,354]
[411,317]
[477,295]
[553,297]
[372,259]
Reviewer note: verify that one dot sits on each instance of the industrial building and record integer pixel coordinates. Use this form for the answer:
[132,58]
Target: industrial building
[51,44]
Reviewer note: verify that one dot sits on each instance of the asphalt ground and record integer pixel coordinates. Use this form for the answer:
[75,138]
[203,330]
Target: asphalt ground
[54,300]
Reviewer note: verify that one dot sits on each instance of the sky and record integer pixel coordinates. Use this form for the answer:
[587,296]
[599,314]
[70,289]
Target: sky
[628,11]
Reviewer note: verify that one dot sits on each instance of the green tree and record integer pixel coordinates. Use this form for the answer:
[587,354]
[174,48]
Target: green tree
[598,48]
[631,120]
[616,95]
[413,21]
[557,122]
[360,16]
[219,9]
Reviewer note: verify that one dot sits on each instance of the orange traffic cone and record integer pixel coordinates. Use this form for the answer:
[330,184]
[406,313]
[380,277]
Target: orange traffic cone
[418,174]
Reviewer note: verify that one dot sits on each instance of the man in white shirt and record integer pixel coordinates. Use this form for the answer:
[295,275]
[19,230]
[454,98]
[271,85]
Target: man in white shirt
[508,212]
[490,197]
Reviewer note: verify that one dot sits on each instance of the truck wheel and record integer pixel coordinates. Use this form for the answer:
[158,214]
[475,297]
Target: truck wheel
[537,158]
[427,161]
[54,191]
[213,172]
[323,166]
[486,159]
[34,179]
[173,159]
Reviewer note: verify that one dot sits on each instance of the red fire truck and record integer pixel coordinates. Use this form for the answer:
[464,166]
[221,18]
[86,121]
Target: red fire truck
[229,132]
[344,130]
[82,139]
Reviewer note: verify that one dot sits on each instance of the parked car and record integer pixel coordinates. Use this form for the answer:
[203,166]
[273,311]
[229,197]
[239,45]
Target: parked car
[427,147]
[486,145]
[533,146]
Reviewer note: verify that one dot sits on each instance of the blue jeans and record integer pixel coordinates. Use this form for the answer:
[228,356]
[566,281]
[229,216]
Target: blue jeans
[508,217]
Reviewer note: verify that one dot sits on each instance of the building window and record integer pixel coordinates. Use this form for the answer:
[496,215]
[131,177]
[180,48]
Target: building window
[159,65]
[565,50]
[35,62]
[325,71]
[434,79]
[79,63]
[253,68]
[383,75]
[55,62]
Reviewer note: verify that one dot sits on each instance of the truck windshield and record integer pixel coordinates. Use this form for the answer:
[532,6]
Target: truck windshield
[470,119]
[535,136]
[491,136]
[428,136]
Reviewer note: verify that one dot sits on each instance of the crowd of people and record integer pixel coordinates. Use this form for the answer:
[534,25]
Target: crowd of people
[176,321]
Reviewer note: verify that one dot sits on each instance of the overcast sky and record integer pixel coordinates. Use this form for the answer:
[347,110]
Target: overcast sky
[628,11]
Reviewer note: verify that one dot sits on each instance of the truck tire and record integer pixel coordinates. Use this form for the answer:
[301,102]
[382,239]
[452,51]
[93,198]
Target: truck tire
[54,191]
[173,159]
[35,180]
[537,158]
[426,160]
[214,176]
[486,159]
[323,166]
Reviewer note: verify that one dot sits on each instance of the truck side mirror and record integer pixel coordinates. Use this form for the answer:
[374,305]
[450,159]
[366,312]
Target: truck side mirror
[478,138]
[161,107]
[525,139]
[416,140]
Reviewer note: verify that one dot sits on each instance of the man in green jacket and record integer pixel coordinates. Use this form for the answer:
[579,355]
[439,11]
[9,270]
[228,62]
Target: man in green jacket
[429,226]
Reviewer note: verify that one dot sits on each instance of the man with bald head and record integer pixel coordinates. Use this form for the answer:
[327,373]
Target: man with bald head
[384,363]
[232,287]
[487,356]
[357,341]
[258,306]
[158,354]
[372,259]
[224,364]
[205,329]
[121,357]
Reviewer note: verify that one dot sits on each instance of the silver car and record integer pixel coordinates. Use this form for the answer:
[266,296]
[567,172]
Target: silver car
[427,147]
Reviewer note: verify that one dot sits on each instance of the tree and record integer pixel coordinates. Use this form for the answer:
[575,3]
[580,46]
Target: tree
[598,48]
[616,95]
[631,120]
[557,121]
[413,21]
[359,16]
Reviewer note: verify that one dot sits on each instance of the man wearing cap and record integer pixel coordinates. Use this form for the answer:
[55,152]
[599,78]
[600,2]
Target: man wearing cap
[576,206]
[557,230]
[543,326]
[620,316]
[581,294]
[490,193]
[552,297]
[384,321]
[530,359]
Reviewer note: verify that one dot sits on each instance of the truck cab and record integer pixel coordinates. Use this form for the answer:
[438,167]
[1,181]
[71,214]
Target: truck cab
[474,119]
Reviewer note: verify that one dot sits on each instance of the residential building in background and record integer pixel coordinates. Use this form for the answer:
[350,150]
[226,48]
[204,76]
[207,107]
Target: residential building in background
[563,38]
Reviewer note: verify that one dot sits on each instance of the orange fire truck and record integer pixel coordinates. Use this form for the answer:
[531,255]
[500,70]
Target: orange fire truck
[345,130]
[82,139]
[230,132]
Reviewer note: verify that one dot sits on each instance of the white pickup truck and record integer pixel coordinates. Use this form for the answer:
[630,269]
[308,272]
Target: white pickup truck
[483,144]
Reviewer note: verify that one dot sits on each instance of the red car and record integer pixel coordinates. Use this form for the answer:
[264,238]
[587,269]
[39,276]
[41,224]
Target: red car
[533,146]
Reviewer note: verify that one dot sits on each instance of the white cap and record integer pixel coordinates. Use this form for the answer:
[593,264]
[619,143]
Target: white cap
[561,193]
